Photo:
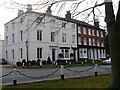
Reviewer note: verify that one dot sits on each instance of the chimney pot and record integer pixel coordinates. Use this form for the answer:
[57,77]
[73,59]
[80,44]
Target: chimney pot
[96,23]
[68,15]
[29,7]
[20,12]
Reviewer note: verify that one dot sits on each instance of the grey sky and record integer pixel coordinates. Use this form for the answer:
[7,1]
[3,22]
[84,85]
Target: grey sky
[9,10]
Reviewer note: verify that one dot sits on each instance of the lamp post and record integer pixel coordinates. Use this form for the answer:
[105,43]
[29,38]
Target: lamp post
[26,42]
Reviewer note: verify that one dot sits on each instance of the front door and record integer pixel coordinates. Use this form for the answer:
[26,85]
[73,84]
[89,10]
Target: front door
[53,55]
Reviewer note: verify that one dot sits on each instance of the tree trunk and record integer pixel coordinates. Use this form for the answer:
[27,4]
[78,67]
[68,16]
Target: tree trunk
[113,27]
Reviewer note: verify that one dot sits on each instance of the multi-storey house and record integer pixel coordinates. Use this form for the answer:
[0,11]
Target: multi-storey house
[32,36]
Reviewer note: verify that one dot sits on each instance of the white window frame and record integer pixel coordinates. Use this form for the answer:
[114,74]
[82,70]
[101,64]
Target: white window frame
[79,30]
[79,40]
[13,38]
[6,55]
[89,31]
[6,38]
[97,33]
[52,36]
[64,37]
[93,32]
[39,53]
[85,41]
[21,35]
[13,54]
[93,40]
[65,54]
[90,41]
[84,30]
[39,35]
[101,33]
[73,39]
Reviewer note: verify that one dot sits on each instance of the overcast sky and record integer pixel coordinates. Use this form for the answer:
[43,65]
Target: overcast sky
[9,8]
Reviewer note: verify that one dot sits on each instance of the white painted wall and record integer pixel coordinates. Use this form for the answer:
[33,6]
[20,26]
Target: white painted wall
[47,27]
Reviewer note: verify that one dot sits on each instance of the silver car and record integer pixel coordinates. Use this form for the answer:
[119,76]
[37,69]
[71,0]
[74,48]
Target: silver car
[108,61]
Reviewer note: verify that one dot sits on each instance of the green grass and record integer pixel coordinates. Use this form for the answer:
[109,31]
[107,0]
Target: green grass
[83,82]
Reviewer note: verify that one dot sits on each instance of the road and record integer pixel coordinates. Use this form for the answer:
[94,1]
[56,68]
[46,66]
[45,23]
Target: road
[33,75]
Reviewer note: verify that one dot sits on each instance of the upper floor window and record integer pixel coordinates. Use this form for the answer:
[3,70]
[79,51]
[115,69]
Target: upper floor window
[84,30]
[39,35]
[93,32]
[6,28]
[6,38]
[79,40]
[73,25]
[89,31]
[13,38]
[97,33]
[21,35]
[73,38]
[52,36]
[101,34]
[93,42]
[85,41]
[64,37]
[79,29]
[64,25]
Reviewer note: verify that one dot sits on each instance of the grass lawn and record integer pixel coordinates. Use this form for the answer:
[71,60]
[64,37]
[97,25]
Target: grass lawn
[66,65]
[83,82]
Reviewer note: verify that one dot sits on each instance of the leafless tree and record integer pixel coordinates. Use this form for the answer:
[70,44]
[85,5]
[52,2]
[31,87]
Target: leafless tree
[113,26]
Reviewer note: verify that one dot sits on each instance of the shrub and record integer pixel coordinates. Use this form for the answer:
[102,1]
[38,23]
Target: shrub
[44,62]
[33,62]
[60,55]
[38,62]
[23,61]
[49,61]
[18,63]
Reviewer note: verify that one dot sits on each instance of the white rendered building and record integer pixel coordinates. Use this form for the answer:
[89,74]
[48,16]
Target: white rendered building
[46,36]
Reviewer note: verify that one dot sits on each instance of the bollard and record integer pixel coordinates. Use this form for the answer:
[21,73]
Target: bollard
[62,74]
[14,77]
[96,73]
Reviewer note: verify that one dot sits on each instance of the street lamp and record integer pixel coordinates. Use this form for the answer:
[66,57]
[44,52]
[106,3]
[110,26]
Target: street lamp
[26,42]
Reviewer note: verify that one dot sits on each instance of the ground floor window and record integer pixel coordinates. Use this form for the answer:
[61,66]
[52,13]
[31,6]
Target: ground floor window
[39,53]
[65,53]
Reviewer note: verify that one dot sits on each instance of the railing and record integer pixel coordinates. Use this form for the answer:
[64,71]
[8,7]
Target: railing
[15,71]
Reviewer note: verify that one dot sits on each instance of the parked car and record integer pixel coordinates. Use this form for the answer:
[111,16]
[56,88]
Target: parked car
[107,62]
[3,61]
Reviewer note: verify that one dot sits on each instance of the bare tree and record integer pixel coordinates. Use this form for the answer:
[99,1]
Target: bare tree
[113,27]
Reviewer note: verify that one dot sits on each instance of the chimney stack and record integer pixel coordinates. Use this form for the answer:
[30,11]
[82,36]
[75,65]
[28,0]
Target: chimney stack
[29,7]
[96,23]
[68,15]
[20,12]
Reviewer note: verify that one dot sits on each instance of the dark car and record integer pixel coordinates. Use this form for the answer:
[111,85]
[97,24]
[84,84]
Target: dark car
[3,61]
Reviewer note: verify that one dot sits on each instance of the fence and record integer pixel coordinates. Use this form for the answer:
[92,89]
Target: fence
[15,71]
